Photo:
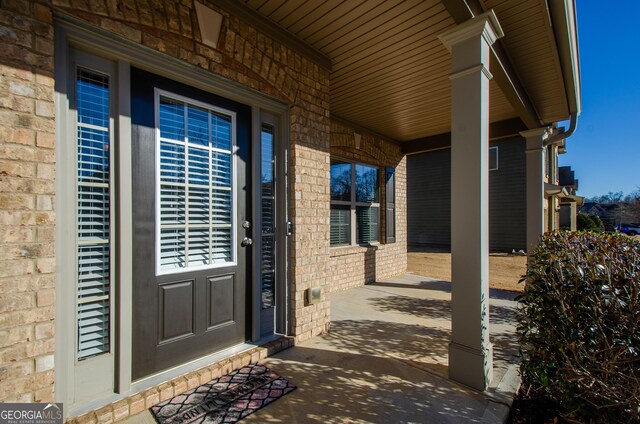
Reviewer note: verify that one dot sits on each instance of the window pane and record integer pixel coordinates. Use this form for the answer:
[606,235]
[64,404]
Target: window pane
[198,206]
[340,225]
[221,206]
[368,228]
[266,161]
[93,201]
[267,271]
[198,124]
[221,245]
[198,246]
[195,180]
[171,119]
[367,184]
[93,155]
[172,248]
[340,180]
[267,180]
[221,172]
[172,205]
[493,158]
[198,166]
[221,132]
[93,99]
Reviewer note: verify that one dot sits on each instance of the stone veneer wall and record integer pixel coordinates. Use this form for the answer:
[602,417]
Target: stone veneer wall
[27,159]
[355,266]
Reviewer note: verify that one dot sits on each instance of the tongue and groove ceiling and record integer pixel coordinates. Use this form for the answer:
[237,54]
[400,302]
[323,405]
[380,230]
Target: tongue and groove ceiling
[390,73]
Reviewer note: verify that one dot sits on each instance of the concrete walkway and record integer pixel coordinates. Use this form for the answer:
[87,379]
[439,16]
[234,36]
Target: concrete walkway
[385,361]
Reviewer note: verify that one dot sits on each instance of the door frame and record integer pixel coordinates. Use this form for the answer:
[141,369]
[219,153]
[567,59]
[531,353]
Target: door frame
[71,33]
[282,231]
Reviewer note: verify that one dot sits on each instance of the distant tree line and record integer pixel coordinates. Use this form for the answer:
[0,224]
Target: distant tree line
[627,208]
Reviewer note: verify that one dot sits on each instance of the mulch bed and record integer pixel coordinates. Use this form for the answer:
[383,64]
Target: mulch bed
[532,407]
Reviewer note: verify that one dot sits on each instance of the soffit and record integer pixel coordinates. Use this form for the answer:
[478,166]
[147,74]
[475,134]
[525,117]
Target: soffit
[530,44]
[390,71]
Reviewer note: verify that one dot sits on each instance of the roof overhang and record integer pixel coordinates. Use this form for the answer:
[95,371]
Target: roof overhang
[563,16]
[554,190]
[572,198]
[389,72]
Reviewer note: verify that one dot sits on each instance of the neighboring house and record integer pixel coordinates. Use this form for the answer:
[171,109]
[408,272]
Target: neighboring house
[569,204]
[429,196]
[429,193]
[610,213]
[613,215]
[184,181]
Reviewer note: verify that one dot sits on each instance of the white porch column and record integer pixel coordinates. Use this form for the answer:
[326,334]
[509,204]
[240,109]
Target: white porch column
[470,351]
[573,215]
[535,185]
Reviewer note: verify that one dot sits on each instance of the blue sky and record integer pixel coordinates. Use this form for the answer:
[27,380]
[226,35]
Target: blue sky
[605,149]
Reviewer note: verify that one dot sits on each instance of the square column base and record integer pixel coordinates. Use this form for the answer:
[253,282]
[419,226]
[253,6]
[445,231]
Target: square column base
[471,367]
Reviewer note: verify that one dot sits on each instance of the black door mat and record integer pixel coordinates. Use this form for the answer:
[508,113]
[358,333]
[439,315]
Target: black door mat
[227,399]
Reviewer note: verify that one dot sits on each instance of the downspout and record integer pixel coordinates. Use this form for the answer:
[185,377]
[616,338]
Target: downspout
[562,134]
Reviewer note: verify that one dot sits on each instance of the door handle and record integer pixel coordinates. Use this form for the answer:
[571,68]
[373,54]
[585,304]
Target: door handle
[247,241]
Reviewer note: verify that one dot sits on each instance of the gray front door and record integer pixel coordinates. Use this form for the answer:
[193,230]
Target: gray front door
[191,198]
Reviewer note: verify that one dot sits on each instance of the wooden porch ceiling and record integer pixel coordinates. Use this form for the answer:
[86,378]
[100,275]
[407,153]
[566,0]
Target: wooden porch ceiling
[390,72]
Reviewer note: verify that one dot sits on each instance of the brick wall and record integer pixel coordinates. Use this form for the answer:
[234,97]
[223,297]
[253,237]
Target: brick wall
[354,266]
[27,159]
[27,218]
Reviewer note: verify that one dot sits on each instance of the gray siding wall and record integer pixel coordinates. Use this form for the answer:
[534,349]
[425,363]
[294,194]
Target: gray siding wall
[429,197]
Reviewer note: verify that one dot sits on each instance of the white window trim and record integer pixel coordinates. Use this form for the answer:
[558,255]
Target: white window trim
[234,154]
[496,150]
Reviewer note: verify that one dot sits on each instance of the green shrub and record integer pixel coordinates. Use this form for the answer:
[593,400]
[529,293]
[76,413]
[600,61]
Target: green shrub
[584,222]
[589,222]
[579,324]
[597,223]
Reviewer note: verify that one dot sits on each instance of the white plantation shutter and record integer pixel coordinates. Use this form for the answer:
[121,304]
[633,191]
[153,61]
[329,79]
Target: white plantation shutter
[368,226]
[93,250]
[195,186]
[340,225]
[267,205]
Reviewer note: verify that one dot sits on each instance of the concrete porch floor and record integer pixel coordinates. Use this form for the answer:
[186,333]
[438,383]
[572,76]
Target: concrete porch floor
[385,361]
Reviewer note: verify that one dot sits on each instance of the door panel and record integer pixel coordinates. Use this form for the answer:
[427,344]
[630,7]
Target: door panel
[190,155]
[220,295]
[176,310]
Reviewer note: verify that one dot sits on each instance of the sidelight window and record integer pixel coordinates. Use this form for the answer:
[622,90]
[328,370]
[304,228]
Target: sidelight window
[268,209]
[194,180]
[93,249]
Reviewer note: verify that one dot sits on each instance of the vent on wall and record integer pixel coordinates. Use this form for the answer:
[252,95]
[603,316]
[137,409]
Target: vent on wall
[210,23]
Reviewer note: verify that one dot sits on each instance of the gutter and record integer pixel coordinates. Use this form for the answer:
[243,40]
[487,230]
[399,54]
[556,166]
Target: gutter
[562,134]
[565,25]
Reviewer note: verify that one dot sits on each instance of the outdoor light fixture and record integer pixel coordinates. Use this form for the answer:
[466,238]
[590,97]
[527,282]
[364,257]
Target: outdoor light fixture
[314,295]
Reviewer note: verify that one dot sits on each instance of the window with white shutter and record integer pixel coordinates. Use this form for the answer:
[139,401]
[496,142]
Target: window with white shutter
[195,185]
[93,250]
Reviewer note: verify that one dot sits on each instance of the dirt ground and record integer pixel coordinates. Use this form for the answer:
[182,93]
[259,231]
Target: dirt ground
[504,269]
